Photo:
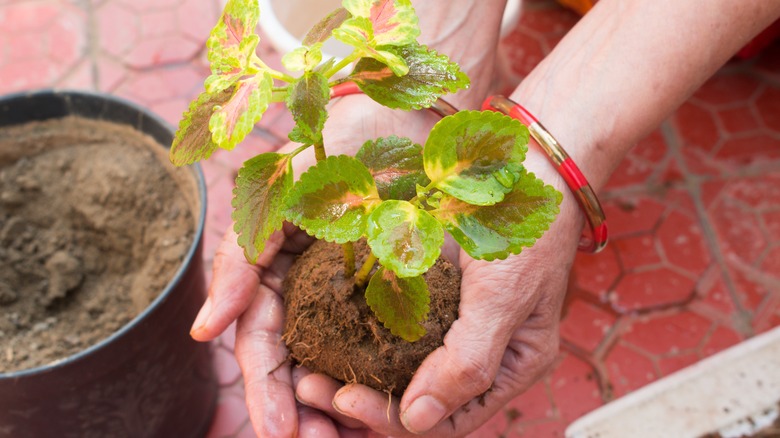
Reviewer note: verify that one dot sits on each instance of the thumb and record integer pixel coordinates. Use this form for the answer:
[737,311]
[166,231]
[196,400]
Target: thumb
[466,365]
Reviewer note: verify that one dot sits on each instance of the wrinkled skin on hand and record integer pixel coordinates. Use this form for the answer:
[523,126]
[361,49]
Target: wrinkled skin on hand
[505,339]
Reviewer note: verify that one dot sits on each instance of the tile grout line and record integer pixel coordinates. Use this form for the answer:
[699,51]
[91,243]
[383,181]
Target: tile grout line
[692,184]
[92,46]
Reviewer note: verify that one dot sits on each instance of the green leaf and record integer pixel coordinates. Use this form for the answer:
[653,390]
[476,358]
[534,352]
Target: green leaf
[258,200]
[332,199]
[402,304]
[476,156]
[404,238]
[303,58]
[232,121]
[193,140]
[232,42]
[358,33]
[307,100]
[430,76]
[394,22]
[496,231]
[324,29]
[396,165]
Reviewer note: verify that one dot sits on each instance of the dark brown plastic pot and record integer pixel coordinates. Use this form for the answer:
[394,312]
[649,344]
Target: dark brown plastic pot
[149,379]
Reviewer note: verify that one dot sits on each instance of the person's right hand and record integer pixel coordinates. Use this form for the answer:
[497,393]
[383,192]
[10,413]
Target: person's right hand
[251,294]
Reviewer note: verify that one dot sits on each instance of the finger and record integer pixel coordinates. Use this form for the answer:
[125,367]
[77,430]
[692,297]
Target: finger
[262,355]
[375,409]
[295,242]
[233,287]
[318,390]
[468,362]
[522,365]
[313,423]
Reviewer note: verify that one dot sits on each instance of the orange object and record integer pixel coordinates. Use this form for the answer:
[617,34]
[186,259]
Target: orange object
[579,6]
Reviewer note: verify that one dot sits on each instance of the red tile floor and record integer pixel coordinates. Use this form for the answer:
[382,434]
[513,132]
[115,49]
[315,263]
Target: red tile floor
[694,263]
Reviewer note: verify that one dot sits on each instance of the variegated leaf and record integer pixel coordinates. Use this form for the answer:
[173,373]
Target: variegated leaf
[401,304]
[232,121]
[476,156]
[307,100]
[258,200]
[193,140]
[229,44]
[396,165]
[430,76]
[332,199]
[394,22]
[496,231]
[405,239]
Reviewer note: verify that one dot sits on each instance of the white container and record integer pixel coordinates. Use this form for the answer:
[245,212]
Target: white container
[285,22]
[734,393]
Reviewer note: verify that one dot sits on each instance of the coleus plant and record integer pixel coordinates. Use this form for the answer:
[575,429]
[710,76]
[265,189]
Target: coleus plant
[468,180]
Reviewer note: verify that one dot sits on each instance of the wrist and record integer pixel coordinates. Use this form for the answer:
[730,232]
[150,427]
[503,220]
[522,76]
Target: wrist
[586,139]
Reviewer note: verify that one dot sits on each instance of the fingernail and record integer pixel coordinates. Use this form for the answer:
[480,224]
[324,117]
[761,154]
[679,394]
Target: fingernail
[423,414]
[335,404]
[202,318]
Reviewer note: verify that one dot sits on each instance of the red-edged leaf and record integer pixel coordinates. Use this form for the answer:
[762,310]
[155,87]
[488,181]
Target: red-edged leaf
[232,121]
[258,199]
[323,30]
[193,140]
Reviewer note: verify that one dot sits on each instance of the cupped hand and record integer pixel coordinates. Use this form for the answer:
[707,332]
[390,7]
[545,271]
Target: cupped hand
[506,336]
[505,339]
[251,294]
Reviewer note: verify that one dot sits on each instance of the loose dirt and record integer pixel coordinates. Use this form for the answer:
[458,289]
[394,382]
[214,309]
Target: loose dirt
[330,329]
[92,228]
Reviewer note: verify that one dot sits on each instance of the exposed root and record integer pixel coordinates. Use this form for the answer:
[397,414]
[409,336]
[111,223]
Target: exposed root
[389,405]
[375,378]
[291,334]
[308,358]
[374,331]
[354,376]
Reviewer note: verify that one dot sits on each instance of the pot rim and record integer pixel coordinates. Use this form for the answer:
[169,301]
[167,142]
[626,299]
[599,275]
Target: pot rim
[196,171]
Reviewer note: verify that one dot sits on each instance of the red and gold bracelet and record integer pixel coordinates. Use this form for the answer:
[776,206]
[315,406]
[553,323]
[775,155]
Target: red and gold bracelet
[574,178]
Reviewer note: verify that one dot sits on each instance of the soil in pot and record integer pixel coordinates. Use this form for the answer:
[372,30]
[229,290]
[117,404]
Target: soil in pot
[330,328]
[93,226]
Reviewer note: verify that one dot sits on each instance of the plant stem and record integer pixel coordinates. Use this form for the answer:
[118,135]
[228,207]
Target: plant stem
[319,152]
[349,259]
[343,63]
[260,65]
[415,200]
[361,278]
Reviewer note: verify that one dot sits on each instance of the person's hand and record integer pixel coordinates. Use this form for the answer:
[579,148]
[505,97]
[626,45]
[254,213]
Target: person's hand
[252,294]
[505,339]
